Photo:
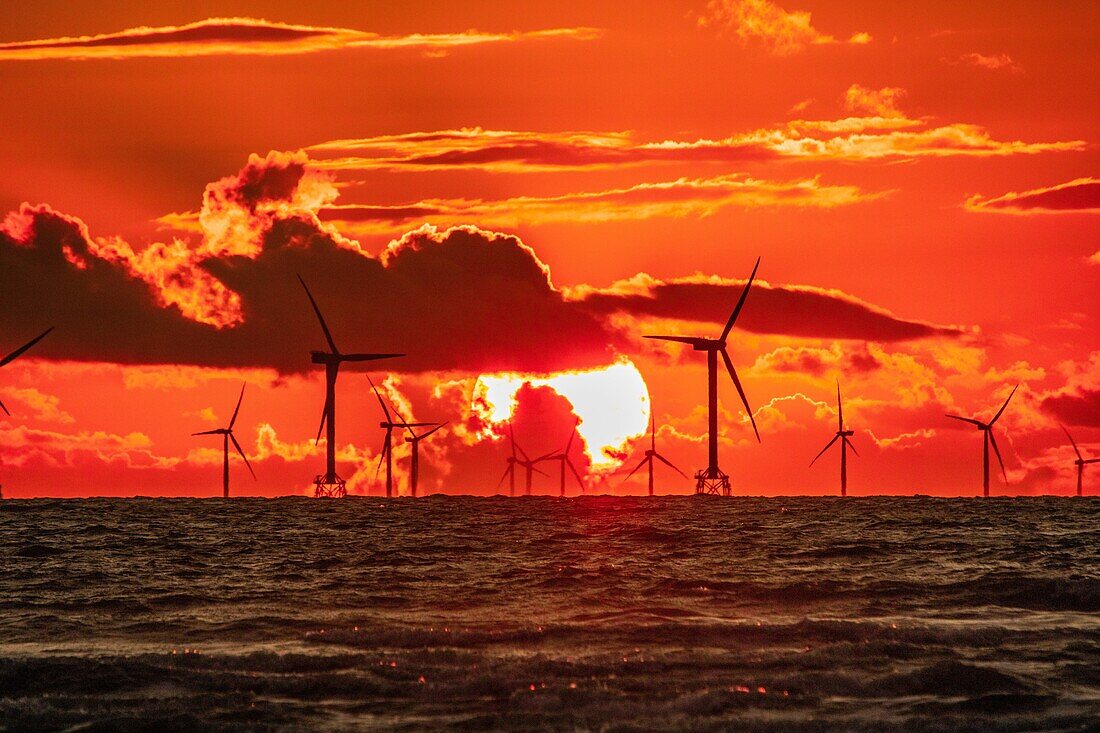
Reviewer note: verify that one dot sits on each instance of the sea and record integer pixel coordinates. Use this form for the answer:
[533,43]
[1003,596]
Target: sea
[546,614]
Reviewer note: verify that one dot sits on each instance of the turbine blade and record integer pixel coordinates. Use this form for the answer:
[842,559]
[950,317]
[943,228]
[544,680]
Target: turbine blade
[740,391]
[849,444]
[967,419]
[839,408]
[241,451]
[575,473]
[367,357]
[998,415]
[665,461]
[381,402]
[1075,450]
[636,468]
[4,408]
[16,354]
[652,429]
[209,432]
[827,447]
[740,302]
[997,450]
[542,458]
[324,415]
[521,450]
[233,419]
[678,339]
[324,326]
[569,443]
[437,427]
[1091,460]
[378,466]
[511,467]
[512,439]
[544,473]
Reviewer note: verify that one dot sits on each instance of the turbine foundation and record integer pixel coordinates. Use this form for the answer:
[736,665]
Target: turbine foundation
[329,486]
[712,481]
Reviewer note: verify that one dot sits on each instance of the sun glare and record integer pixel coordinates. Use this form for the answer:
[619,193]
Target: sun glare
[612,403]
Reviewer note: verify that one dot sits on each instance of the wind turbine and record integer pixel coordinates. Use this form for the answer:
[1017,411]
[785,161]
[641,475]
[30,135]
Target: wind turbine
[987,439]
[842,435]
[711,479]
[387,443]
[651,454]
[330,484]
[1081,462]
[19,352]
[562,456]
[227,435]
[414,439]
[513,461]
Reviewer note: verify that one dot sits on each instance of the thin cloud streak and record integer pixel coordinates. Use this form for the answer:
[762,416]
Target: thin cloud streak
[1079,196]
[251,36]
[875,137]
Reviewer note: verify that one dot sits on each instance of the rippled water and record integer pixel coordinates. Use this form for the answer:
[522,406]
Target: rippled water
[537,613]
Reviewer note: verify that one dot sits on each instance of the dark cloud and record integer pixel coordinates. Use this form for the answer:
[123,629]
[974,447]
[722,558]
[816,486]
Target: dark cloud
[460,299]
[1082,194]
[774,309]
[1081,407]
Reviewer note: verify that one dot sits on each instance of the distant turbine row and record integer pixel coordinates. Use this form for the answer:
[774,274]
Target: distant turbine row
[709,480]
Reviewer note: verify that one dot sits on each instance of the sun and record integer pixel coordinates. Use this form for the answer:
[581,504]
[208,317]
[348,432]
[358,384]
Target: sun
[612,403]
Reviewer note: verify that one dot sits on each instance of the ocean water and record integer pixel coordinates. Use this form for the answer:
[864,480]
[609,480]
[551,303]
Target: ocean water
[592,614]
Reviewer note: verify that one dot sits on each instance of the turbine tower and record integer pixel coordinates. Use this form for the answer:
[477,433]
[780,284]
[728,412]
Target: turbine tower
[987,440]
[513,461]
[563,458]
[387,443]
[712,480]
[651,454]
[414,440]
[843,436]
[19,352]
[330,484]
[227,435]
[1081,462]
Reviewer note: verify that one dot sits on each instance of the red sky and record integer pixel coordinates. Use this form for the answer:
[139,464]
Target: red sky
[921,184]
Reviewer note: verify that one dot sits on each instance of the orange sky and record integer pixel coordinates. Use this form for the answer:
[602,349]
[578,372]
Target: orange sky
[921,184]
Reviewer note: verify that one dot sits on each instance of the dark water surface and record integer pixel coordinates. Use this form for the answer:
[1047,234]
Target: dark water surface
[544,614]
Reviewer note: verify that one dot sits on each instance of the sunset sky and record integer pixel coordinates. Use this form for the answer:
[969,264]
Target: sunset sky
[513,194]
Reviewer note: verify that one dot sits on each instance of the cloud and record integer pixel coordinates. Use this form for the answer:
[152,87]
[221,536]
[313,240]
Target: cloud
[250,36]
[1077,402]
[817,361]
[44,407]
[1079,196]
[794,310]
[781,32]
[463,298]
[678,198]
[999,62]
[882,132]
[876,102]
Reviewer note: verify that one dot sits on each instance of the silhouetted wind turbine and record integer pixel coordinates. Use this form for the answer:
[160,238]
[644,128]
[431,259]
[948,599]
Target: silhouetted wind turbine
[513,461]
[1081,462]
[19,352]
[330,484]
[414,439]
[711,479]
[987,439]
[563,458]
[387,443]
[227,435]
[651,454]
[842,435]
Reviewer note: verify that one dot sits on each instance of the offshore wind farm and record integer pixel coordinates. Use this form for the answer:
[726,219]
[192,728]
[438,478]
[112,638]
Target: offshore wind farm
[706,365]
